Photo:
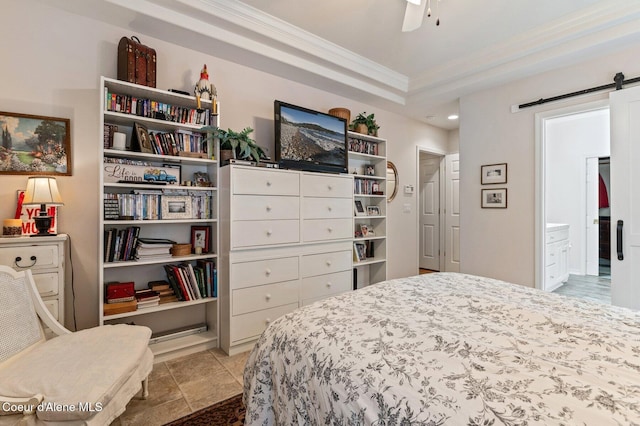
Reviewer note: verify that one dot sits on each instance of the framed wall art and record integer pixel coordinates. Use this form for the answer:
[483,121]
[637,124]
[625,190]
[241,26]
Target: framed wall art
[34,145]
[494,198]
[493,173]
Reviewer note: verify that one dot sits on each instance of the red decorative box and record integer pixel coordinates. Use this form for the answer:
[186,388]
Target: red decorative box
[119,291]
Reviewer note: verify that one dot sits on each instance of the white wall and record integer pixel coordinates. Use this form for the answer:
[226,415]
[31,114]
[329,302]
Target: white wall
[569,141]
[52,61]
[500,243]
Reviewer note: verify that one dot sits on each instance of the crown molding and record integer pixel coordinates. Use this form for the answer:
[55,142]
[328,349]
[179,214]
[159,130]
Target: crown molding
[598,25]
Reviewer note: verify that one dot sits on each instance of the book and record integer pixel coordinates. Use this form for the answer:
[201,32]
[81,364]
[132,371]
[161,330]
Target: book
[119,308]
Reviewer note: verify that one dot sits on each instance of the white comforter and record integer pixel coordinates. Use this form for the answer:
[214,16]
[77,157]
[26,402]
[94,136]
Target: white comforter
[447,349]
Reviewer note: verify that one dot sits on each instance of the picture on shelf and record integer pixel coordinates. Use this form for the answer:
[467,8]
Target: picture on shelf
[201,179]
[142,140]
[373,211]
[370,171]
[200,239]
[359,208]
[367,231]
[176,207]
[359,252]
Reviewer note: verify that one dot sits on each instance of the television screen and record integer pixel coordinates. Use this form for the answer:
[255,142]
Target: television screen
[310,140]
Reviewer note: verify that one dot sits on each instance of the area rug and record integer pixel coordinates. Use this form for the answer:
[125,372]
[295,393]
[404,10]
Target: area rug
[228,412]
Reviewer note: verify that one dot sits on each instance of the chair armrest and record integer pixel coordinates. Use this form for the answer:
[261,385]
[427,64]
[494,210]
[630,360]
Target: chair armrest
[26,405]
[41,309]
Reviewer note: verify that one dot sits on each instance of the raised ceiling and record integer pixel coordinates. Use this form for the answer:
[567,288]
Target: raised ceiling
[356,47]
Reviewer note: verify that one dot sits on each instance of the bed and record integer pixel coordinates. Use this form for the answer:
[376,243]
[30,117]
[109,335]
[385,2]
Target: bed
[447,348]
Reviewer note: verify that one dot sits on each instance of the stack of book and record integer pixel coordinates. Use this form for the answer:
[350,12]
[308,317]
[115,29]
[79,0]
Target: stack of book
[151,249]
[119,298]
[147,298]
[164,290]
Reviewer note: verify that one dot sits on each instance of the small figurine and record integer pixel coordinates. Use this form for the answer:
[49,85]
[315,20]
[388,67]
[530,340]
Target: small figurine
[204,89]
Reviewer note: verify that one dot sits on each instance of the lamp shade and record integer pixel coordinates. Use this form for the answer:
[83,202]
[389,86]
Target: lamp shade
[42,190]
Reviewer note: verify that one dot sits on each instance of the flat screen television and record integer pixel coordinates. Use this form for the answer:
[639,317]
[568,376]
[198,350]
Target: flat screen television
[309,140]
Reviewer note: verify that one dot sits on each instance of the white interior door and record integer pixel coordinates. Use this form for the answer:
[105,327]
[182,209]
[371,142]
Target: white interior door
[452,213]
[592,226]
[625,202]
[429,212]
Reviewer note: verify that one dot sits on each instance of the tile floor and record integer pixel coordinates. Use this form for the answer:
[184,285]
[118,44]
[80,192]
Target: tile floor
[184,385]
[596,289]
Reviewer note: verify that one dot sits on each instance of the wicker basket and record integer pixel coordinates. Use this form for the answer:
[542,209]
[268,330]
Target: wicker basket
[342,113]
[181,250]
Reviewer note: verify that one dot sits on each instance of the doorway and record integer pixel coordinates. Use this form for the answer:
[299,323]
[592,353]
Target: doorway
[438,211]
[572,143]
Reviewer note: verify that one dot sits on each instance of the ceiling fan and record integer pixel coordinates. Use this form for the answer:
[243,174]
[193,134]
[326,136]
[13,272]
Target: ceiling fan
[414,13]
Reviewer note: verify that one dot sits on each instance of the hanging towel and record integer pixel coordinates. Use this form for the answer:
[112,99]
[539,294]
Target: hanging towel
[603,197]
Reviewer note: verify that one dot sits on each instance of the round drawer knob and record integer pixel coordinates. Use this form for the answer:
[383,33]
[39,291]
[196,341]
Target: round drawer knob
[268,183]
[329,208]
[269,232]
[267,297]
[330,187]
[328,285]
[267,321]
[330,229]
[267,272]
[328,263]
[268,208]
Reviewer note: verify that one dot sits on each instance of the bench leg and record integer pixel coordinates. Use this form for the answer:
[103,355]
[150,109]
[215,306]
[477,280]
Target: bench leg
[145,388]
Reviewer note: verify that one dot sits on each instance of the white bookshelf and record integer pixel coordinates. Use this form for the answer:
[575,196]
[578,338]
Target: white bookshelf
[368,166]
[167,317]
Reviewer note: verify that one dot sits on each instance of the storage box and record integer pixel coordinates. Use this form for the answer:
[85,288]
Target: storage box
[116,172]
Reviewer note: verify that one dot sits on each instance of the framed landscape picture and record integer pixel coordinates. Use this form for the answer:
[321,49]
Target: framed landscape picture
[34,145]
[494,173]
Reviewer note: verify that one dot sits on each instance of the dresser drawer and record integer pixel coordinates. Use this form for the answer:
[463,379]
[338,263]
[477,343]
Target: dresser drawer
[326,208]
[262,297]
[31,257]
[251,325]
[265,182]
[326,285]
[250,233]
[52,306]
[248,274]
[326,263]
[47,284]
[327,186]
[559,235]
[327,229]
[263,207]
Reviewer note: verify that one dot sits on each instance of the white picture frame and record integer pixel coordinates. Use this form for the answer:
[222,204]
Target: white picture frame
[176,207]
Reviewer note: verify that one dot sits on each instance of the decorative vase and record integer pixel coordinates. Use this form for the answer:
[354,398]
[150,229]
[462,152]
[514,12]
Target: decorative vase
[362,128]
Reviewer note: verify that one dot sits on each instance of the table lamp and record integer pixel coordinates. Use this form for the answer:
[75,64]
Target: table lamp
[43,191]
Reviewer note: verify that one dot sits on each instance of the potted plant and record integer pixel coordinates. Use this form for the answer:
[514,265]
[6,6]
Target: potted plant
[236,144]
[365,124]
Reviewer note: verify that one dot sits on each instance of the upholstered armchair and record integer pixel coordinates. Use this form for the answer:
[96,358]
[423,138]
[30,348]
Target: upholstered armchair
[76,378]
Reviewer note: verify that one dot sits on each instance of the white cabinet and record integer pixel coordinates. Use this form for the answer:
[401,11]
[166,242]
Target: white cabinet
[161,211]
[368,166]
[556,255]
[45,257]
[286,237]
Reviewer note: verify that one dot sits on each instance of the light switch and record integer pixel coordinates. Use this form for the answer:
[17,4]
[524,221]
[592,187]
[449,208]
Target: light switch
[408,189]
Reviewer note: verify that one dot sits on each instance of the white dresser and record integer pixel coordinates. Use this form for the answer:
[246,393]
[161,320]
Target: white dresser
[286,241]
[556,255]
[45,256]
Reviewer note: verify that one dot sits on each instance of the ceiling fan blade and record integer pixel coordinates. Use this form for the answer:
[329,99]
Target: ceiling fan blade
[413,16]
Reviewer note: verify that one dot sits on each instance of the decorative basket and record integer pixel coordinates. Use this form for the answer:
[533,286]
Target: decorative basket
[342,113]
[181,250]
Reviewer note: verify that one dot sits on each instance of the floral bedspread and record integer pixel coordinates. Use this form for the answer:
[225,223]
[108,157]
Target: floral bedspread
[447,349]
